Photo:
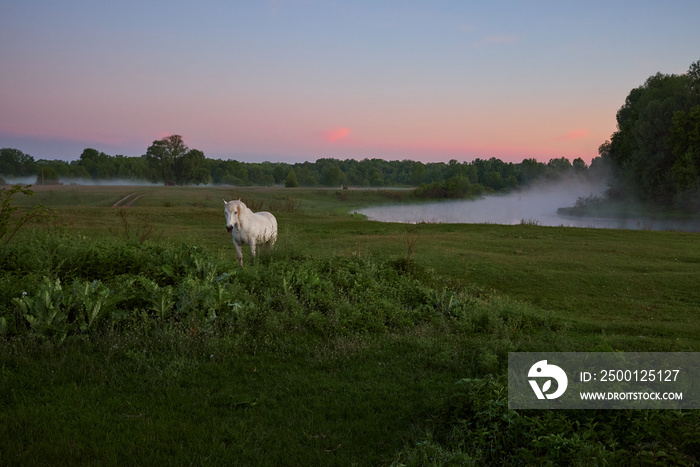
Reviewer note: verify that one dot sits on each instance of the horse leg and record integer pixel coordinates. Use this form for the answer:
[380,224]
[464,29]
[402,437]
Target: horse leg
[252,249]
[239,253]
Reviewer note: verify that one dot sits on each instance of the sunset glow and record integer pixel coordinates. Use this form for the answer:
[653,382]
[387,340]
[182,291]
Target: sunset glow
[577,134]
[295,81]
[335,134]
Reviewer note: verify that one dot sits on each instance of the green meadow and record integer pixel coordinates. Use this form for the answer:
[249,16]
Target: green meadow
[129,334]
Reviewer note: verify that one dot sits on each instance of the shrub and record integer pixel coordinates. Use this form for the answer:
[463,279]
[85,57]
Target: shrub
[476,420]
[77,282]
[455,187]
[7,229]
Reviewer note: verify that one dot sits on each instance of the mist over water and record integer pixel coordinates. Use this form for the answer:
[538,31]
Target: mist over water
[536,205]
[81,181]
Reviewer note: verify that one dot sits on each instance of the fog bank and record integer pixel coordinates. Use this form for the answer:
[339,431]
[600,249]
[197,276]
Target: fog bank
[536,205]
[81,181]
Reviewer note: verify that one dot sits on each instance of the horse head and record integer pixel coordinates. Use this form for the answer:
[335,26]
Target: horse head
[232,212]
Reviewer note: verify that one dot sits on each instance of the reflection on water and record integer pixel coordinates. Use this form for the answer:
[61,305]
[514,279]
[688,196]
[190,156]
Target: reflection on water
[537,206]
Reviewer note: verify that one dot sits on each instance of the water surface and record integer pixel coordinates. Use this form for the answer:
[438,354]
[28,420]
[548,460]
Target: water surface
[536,205]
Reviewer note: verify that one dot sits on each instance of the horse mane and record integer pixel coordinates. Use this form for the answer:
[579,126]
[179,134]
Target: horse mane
[242,206]
[241,203]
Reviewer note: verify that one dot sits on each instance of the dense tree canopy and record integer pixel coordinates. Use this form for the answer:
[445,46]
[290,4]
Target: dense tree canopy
[171,162]
[685,142]
[655,151]
[15,163]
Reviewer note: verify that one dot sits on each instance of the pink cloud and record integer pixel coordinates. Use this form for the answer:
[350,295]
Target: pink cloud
[335,134]
[576,134]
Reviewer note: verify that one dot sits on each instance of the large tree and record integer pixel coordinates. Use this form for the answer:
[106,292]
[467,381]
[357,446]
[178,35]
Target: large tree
[173,163]
[98,164]
[161,156]
[190,168]
[685,141]
[14,162]
[642,149]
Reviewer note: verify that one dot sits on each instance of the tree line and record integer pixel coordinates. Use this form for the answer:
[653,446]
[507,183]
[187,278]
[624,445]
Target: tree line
[170,162]
[655,152]
[654,156]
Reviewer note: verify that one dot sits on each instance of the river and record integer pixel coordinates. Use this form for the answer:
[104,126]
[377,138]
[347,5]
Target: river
[533,206]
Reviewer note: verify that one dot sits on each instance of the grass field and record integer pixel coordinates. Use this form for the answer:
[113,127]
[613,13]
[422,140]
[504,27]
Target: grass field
[351,342]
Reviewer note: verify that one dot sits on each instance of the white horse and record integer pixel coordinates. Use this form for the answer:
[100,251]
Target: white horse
[249,227]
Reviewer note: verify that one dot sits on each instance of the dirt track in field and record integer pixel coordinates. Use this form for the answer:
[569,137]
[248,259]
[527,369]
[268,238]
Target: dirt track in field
[122,202]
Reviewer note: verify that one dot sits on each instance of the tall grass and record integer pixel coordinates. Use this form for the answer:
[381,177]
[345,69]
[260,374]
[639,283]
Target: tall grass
[330,296]
[297,358]
[349,342]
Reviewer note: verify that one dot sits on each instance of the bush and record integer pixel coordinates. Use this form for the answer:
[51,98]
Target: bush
[8,228]
[186,283]
[77,283]
[456,187]
[477,427]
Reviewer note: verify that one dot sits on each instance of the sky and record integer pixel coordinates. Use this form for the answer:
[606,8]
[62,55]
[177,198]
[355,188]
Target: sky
[298,80]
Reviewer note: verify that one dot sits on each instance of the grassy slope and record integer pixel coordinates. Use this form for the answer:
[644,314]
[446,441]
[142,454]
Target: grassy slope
[184,398]
[638,285]
[176,401]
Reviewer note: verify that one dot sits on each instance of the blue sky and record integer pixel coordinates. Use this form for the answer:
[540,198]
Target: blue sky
[299,80]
